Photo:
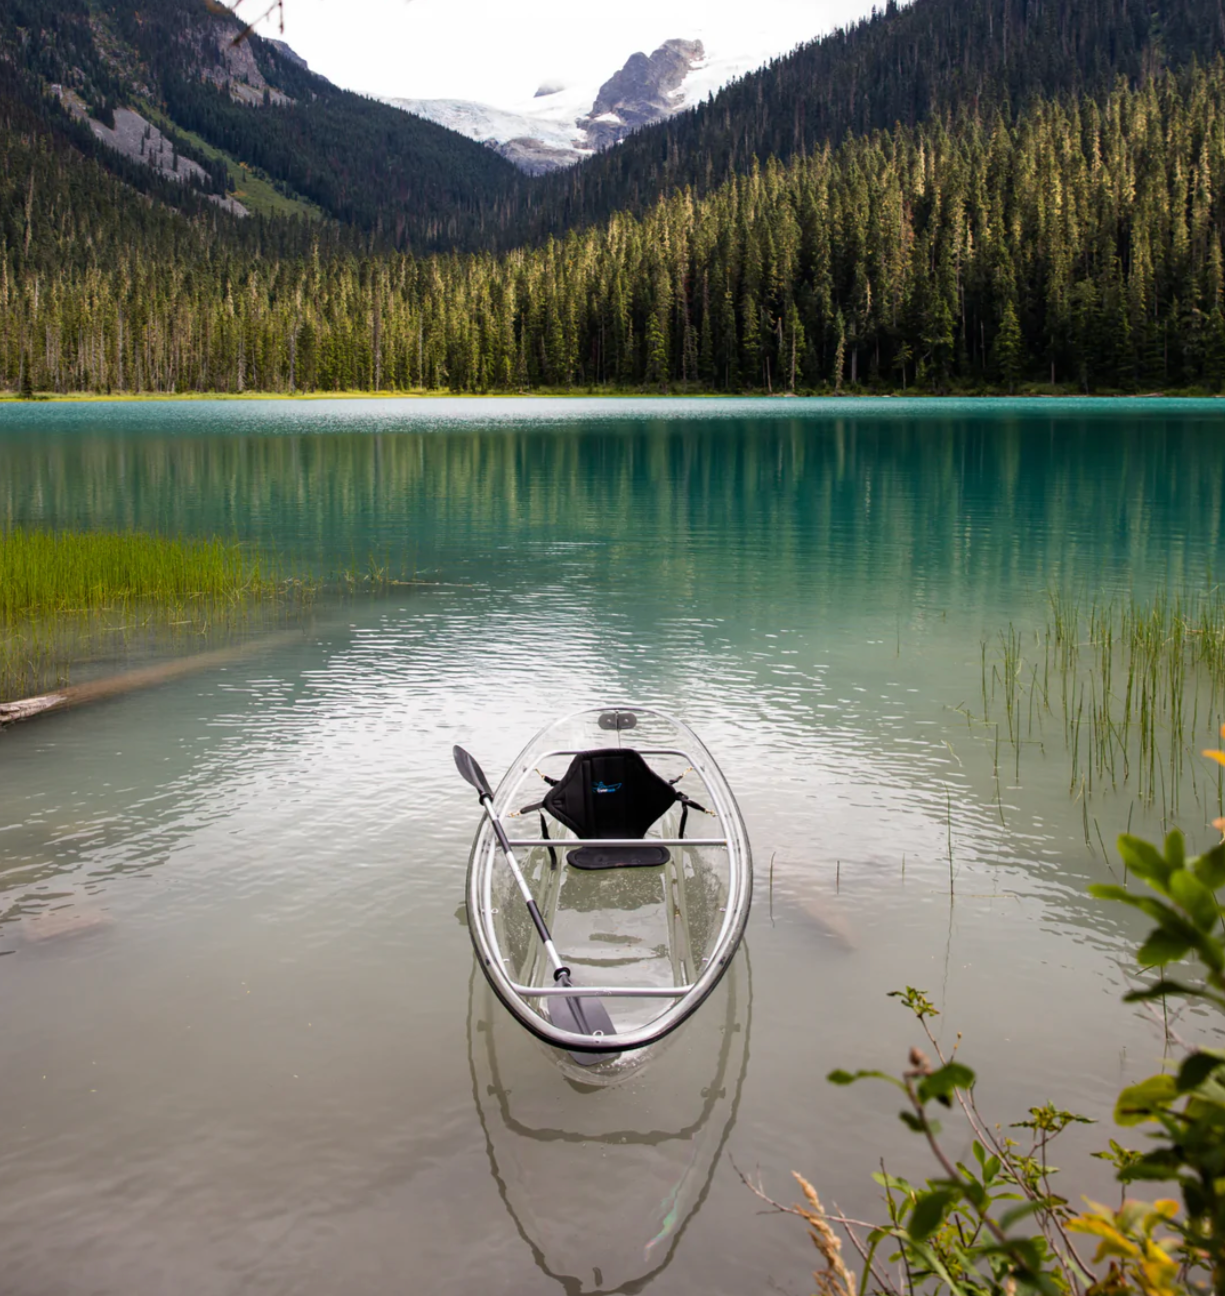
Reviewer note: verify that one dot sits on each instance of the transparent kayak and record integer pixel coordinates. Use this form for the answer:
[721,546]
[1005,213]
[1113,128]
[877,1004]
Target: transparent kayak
[648,930]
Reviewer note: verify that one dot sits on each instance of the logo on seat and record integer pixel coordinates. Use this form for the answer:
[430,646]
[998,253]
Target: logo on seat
[605,787]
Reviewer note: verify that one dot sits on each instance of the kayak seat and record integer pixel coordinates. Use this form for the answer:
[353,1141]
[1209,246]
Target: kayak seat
[612,792]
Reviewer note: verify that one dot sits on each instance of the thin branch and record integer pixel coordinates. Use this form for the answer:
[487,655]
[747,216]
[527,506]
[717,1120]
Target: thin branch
[987,1137]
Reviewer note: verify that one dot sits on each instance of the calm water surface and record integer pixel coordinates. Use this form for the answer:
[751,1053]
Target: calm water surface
[260,1063]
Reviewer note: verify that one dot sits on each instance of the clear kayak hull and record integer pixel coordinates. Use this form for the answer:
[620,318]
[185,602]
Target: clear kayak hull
[650,942]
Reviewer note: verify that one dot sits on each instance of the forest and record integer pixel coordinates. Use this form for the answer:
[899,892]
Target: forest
[1078,246]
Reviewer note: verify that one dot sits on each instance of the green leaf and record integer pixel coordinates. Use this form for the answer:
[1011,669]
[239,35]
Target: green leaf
[1210,867]
[1159,990]
[1110,891]
[1211,1093]
[849,1077]
[1144,860]
[1159,1167]
[940,1084]
[1197,1068]
[1010,1217]
[929,1211]
[1210,951]
[1175,849]
[976,1194]
[990,1164]
[1162,947]
[909,1119]
[916,1001]
[1141,1102]
[1196,899]
[1157,910]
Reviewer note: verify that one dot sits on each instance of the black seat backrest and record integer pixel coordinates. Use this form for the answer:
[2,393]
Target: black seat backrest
[612,792]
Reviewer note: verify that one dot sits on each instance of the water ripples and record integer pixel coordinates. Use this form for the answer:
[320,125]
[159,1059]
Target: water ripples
[238,985]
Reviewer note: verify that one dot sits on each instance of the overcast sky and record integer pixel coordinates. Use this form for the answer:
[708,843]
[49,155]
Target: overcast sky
[499,52]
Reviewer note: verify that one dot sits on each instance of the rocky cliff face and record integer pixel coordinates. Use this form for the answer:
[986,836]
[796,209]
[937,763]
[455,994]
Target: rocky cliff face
[233,67]
[645,90]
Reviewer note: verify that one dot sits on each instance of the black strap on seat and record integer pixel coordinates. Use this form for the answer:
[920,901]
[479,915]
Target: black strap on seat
[687,803]
[539,805]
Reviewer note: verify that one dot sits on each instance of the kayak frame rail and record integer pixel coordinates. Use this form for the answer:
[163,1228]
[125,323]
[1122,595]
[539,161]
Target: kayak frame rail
[601,992]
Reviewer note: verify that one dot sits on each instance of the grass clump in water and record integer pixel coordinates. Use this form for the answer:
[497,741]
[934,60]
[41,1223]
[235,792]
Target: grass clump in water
[89,599]
[43,573]
[1134,685]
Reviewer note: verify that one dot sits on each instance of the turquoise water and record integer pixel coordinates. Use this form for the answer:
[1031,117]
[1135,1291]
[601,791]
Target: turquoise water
[239,1023]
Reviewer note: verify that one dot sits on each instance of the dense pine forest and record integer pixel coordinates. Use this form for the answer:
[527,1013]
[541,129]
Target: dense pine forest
[1079,245]
[903,64]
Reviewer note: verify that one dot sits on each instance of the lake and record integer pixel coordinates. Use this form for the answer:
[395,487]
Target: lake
[244,1049]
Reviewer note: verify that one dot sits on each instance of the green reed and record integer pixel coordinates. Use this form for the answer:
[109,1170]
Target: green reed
[1136,686]
[48,572]
[72,598]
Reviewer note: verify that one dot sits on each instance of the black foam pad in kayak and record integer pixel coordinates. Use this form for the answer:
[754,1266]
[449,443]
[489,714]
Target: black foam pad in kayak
[611,857]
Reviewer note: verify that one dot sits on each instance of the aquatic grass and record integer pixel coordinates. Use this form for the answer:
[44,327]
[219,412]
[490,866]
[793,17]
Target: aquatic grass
[73,599]
[43,573]
[1134,685]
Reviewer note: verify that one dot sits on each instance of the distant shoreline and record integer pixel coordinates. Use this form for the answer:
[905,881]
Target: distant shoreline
[80,398]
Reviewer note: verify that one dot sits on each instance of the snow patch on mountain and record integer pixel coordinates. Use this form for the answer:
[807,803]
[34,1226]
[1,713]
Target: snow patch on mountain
[560,125]
[534,141]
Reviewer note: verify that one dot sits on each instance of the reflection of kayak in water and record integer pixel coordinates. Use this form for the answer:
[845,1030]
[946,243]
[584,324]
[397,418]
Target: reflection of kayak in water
[606,927]
[602,1169]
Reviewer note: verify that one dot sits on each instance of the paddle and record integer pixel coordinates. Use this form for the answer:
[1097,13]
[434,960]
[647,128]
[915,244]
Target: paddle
[585,1016]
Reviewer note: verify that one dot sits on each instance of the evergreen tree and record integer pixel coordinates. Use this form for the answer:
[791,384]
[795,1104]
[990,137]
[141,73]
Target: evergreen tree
[1009,348]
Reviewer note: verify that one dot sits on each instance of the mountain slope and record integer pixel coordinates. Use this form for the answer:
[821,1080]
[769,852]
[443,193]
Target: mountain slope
[902,65]
[562,125]
[411,184]
[357,160]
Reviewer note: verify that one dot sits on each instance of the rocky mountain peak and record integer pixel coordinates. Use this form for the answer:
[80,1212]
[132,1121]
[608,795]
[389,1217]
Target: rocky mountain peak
[562,124]
[642,92]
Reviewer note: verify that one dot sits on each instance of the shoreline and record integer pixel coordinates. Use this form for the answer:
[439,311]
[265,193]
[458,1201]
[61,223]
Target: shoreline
[95,398]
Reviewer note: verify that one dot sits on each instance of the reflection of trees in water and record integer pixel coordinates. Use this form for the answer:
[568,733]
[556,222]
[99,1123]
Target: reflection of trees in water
[887,496]
[676,1220]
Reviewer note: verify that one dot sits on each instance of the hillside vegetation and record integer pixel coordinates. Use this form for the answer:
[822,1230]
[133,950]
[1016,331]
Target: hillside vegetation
[362,163]
[903,65]
[413,186]
[1081,244]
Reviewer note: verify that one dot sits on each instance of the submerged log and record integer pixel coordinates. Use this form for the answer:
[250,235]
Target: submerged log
[27,708]
[131,681]
[58,924]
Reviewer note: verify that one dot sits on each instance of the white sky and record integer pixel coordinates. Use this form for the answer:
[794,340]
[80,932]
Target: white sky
[498,52]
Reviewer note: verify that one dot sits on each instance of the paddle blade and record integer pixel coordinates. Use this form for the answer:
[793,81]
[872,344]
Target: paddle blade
[583,1017]
[471,771]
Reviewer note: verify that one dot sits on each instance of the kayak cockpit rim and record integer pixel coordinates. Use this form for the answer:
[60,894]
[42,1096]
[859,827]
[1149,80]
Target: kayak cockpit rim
[524,1001]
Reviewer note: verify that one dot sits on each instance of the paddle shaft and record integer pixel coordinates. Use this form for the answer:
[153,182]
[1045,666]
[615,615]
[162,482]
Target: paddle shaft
[587,1016]
[550,949]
